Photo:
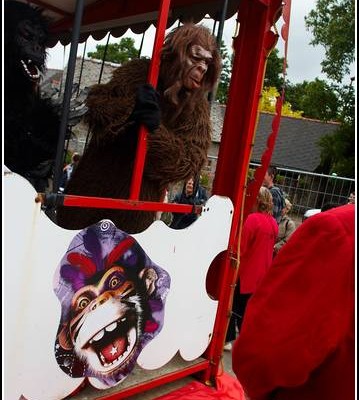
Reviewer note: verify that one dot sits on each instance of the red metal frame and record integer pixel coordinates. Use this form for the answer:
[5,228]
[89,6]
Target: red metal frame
[255,39]
[152,79]
[161,380]
[69,200]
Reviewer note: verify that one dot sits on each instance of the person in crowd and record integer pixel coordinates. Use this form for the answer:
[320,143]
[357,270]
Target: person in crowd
[351,198]
[192,193]
[276,192]
[69,169]
[297,340]
[259,234]
[285,228]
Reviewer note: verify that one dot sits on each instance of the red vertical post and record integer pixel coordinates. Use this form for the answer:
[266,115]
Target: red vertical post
[152,79]
[256,18]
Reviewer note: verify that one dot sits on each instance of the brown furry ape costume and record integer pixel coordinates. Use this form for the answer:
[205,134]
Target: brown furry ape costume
[176,146]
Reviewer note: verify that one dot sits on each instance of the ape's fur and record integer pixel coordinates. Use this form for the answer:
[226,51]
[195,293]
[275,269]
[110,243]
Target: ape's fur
[31,124]
[176,150]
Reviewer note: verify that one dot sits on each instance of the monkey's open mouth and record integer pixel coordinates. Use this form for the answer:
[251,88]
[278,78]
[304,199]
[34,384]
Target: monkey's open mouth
[31,69]
[114,343]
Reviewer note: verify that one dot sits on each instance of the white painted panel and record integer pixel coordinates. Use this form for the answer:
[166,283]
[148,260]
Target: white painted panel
[187,254]
[34,247]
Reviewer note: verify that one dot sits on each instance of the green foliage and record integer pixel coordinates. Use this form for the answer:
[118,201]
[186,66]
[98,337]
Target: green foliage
[223,85]
[332,23]
[317,99]
[68,157]
[338,150]
[346,107]
[250,174]
[205,180]
[273,75]
[117,53]
[279,179]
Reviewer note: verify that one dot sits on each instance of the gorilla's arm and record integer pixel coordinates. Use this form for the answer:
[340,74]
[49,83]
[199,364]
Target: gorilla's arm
[177,153]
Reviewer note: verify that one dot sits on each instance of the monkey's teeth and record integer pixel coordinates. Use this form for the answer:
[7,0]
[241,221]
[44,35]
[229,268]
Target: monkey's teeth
[98,336]
[111,327]
[32,76]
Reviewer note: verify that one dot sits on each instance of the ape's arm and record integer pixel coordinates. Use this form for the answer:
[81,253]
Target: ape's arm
[177,153]
[176,150]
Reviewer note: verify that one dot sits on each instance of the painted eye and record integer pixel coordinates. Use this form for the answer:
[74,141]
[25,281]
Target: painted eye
[83,302]
[114,282]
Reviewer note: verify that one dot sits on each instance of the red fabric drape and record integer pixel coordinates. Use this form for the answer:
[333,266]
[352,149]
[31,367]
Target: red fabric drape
[228,388]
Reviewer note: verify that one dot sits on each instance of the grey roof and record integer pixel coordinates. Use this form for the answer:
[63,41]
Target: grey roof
[296,146]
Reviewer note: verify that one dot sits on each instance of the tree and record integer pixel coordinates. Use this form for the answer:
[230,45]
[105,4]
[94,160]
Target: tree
[332,23]
[223,85]
[273,74]
[274,70]
[338,150]
[268,101]
[117,53]
[317,99]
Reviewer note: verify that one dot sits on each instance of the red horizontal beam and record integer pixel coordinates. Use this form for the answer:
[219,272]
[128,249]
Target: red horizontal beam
[122,204]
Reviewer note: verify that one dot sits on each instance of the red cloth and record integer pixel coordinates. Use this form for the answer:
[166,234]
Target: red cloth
[297,339]
[228,388]
[259,234]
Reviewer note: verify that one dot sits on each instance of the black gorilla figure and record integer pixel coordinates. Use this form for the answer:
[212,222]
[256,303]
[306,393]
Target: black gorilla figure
[31,123]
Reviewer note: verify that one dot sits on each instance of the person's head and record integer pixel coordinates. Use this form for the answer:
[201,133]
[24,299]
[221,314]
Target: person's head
[288,206]
[264,201]
[269,176]
[351,198]
[75,158]
[190,61]
[189,187]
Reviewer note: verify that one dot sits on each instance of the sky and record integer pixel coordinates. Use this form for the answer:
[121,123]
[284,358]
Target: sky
[303,59]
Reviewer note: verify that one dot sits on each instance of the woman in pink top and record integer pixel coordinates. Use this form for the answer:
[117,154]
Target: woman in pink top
[258,238]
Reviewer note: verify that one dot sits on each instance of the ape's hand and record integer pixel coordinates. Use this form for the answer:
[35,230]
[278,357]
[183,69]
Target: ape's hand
[147,110]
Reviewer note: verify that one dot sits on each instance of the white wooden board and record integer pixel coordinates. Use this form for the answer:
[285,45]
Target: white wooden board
[35,250]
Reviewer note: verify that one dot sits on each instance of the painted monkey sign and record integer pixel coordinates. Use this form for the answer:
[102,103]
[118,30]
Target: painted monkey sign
[112,304]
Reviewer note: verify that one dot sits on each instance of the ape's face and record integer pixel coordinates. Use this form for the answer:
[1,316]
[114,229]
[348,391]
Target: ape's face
[190,66]
[26,32]
[197,62]
[31,41]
